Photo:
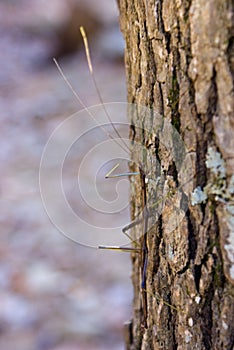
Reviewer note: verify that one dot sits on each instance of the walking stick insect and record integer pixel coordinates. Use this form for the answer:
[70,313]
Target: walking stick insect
[141,246]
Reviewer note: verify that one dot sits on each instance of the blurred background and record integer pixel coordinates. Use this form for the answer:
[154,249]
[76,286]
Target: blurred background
[54,294]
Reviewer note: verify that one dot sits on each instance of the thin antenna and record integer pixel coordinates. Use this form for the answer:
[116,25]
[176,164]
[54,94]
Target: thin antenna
[83,105]
[87,51]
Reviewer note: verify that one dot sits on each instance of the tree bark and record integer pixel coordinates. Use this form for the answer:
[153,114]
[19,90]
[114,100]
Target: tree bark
[179,60]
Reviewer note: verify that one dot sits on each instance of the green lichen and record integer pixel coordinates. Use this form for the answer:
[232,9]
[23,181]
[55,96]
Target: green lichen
[198,196]
[215,163]
[218,189]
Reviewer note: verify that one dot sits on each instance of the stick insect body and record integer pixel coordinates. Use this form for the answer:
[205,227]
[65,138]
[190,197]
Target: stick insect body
[140,246]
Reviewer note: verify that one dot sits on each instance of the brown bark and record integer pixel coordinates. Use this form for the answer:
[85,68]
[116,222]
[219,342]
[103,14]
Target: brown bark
[180,61]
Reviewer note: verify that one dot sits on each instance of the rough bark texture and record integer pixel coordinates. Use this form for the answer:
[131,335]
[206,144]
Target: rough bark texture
[180,62]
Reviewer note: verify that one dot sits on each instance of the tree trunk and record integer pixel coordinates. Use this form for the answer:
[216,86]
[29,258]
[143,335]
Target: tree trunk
[180,62]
